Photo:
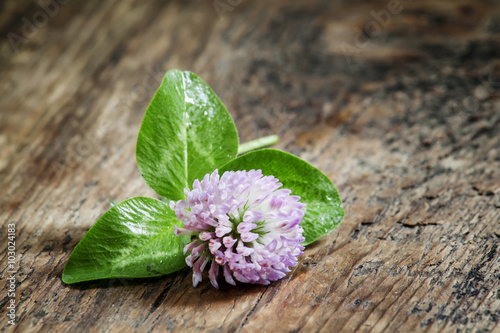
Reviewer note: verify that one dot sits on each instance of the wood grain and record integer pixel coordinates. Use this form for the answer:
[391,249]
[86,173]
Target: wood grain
[407,127]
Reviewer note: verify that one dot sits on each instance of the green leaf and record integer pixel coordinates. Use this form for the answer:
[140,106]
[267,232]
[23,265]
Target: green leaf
[186,133]
[133,239]
[324,210]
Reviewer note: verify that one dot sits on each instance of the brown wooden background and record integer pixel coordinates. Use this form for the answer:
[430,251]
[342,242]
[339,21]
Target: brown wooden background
[408,129]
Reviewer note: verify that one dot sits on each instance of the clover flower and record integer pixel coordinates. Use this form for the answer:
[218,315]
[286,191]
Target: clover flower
[243,223]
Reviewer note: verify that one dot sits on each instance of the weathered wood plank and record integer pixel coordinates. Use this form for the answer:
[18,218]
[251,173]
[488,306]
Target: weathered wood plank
[406,125]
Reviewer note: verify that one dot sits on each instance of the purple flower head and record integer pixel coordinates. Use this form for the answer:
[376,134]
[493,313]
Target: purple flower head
[242,223]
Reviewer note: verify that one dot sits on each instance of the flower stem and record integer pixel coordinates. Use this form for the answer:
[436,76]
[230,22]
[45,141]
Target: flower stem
[265,141]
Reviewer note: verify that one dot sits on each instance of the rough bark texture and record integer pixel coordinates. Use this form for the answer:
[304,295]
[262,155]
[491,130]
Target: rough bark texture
[405,122]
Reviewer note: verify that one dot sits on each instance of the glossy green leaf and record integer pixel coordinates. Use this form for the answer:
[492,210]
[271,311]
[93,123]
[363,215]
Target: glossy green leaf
[186,133]
[133,239]
[324,210]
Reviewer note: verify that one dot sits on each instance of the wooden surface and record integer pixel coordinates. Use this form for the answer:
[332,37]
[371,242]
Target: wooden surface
[407,127]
